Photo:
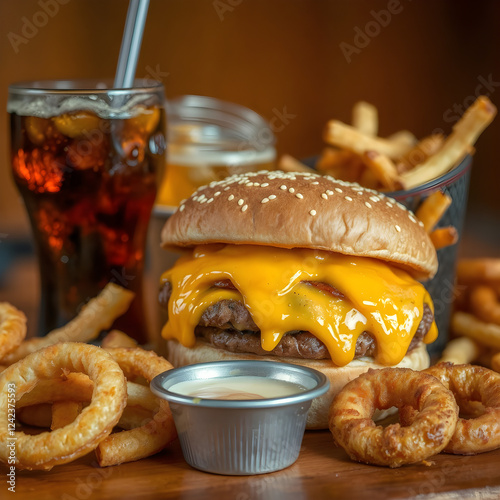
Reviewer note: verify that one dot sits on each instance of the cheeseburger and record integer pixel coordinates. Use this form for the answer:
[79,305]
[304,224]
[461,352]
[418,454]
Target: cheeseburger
[300,268]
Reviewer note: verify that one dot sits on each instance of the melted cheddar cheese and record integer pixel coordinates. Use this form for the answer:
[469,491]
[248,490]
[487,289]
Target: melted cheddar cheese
[380,299]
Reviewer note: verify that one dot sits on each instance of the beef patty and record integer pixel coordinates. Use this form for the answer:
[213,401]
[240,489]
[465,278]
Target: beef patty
[228,325]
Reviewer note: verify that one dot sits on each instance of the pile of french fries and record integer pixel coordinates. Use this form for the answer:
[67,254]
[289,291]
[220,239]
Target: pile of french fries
[356,154]
[476,319]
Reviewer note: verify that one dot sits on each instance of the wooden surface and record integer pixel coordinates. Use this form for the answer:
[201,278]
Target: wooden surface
[322,471]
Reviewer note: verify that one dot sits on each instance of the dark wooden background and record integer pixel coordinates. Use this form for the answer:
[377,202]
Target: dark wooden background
[276,56]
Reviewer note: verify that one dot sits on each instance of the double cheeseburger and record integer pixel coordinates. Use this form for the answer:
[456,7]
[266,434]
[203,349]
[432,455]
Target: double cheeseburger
[300,268]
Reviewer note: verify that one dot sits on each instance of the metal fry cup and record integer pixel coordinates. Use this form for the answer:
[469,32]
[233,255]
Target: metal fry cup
[241,437]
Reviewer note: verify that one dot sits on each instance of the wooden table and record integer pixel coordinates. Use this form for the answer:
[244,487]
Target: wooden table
[322,471]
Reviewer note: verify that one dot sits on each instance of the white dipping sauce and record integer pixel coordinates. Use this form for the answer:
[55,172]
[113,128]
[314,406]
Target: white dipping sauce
[243,387]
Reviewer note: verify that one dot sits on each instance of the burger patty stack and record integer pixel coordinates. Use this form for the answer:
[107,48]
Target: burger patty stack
[300,268]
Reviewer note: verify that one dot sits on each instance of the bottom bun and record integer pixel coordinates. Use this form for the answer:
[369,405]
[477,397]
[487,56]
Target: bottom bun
[417,359]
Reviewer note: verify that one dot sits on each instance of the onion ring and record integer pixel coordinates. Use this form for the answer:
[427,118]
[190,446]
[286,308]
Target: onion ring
[12,328]
[97,315]
[470,383]
[495,362]
[94,423]
[353,428]
[153,435]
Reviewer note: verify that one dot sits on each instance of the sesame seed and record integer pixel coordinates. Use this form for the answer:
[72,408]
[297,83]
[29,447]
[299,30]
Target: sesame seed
[217,193]
[210,200]
[241,201]
[420,223]
[313,212]
[272,197]
[410,216]
[249,184]
[244,207]
[181,208]
[329,192]
[264,200]
[265,184]
[291,190]
[374,198]
[195,198]
[283,187]
[324,196]
[338,190]
[231,197]
[360,192]
[315,183]
[203,201]
[299,196]
[226,188]
[256,183]
[390,205]
[367,204]
[398,229]
[348,198]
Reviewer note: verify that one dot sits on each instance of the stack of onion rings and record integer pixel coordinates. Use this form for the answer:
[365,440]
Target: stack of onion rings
[92,425]
[352,426]
[470,383]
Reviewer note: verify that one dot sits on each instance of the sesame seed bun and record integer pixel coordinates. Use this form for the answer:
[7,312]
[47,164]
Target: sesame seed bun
[339,376]
[291,210]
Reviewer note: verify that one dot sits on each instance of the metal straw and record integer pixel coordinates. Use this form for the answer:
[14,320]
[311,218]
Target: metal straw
[131,43]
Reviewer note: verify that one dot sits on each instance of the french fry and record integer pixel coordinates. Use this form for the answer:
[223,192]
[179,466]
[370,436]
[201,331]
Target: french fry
[420,152]
[341,164]
[457,145]
[444,237]
[63,413]
[383,169]
[365,118]
[404,138]
[116,338]
[460,351]
[485,270]
[344,136]
[288,163]
[368,179]
[484,304]
[432,209]
[97,315]
[468,325]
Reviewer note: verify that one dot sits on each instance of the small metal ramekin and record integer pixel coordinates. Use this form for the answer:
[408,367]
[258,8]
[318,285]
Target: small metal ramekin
[241,437]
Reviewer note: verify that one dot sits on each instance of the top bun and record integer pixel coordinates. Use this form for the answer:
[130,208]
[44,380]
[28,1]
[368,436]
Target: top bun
[305,210]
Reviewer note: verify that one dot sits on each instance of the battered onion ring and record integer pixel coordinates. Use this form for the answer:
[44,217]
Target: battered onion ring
[153,435]
[352,410]
[94,423]
[12,328]
[470,383]
[495,362]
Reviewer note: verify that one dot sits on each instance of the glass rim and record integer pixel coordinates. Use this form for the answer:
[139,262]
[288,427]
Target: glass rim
[82,86]
[439,182]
